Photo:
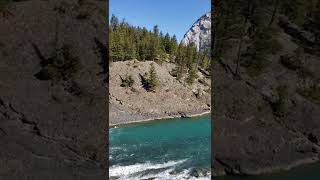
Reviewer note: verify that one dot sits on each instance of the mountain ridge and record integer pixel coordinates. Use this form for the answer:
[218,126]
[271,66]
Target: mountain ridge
[199,33]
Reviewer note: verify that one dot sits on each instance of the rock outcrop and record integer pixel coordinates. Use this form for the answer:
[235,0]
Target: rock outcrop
[53,121]
[269,121]
[200,34]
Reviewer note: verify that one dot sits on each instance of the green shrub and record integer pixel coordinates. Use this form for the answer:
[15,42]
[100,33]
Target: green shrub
[152,82]
[61,65]
[192,76]
[205,63]
[255,59]
[178,72]
[128,81]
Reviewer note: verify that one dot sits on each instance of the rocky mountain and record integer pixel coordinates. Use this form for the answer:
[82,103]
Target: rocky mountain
[200,33]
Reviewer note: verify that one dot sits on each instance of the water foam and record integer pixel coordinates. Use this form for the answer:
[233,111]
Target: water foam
[166,175]
[135,171]
[121,171]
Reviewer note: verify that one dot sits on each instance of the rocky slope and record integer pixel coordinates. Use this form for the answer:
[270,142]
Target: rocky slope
[172,99]
[52,127]
[200,33]
[269,121]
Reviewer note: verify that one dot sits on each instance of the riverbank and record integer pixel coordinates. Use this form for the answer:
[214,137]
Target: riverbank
[308,171]
[267,171]
[184,115]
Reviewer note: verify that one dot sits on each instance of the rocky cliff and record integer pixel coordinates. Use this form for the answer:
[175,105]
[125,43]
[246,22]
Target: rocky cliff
[266,116]
[53,116]
[200,34]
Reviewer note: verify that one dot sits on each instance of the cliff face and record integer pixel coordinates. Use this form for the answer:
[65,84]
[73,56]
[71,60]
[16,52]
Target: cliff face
[266,116]
[200,33]
[52,120]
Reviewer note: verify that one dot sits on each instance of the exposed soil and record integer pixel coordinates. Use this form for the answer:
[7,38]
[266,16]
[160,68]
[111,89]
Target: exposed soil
[173,98]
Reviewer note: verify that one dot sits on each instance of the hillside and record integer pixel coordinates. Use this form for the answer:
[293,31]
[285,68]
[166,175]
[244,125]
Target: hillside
[173,98]
[266,83]
[52,90]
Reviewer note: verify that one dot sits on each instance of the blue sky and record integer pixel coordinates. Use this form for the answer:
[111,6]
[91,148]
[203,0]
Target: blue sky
[172,16]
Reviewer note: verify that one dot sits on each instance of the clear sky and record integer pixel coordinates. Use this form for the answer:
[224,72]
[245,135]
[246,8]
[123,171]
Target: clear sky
[172,16]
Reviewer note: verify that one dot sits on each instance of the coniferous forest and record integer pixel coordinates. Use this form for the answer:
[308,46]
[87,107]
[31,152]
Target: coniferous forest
[128,42]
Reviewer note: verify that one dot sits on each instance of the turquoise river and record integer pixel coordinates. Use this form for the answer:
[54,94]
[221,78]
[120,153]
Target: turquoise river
[161,149]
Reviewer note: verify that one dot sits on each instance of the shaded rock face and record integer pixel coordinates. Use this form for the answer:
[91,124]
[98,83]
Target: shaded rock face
[52,124]
[271,121]
[200,34]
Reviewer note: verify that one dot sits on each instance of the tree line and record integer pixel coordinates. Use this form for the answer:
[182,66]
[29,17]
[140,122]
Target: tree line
[127,42]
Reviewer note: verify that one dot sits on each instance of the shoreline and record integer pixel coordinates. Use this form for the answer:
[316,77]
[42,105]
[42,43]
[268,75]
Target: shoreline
[271,169]
[160,118]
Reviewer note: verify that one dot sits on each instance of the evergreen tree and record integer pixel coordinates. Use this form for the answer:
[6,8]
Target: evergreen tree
[173,45]
[167,43]
[128,81]
[153,50]
[116,49]
[179,71]
[156,30]
[205,63]
[114,22]
[161,34]
[192,75]
[128,42]
[130,50]
[152,81]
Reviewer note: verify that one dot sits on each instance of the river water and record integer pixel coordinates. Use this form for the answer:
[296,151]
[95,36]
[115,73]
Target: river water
[162,149]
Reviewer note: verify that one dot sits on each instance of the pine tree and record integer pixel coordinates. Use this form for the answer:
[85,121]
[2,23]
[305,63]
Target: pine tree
[116,49]
[192,75]
[128,42]
[205,64]
[189,54]
[156,30]
[114,22]
[130,52]
[128,81]
[179,71]
[167,43]
[152,81]
[173,45]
